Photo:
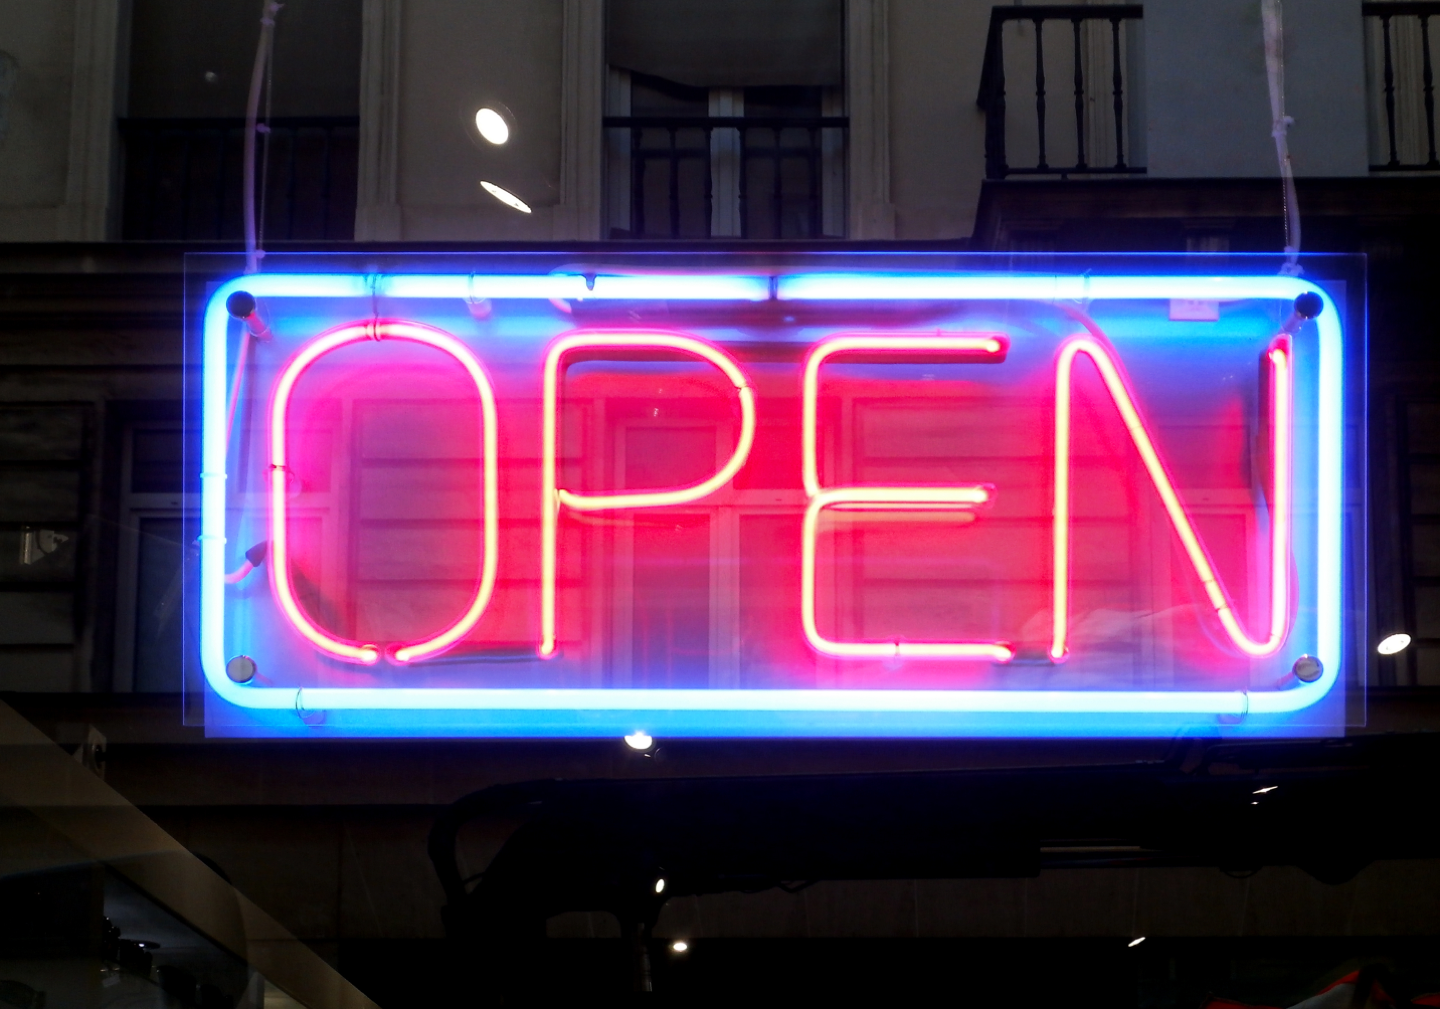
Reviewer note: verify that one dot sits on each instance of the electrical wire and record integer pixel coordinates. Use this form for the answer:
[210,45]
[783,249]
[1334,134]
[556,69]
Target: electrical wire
[242,359]
[1280,123]
[265,137]
[258,77]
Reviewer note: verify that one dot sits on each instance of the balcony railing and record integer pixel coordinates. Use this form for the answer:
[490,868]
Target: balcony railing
[716,177]
[183,178]
[1401,85]
[1096,38]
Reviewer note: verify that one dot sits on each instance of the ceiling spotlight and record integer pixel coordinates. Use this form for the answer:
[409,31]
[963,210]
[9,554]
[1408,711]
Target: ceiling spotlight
[638,740]
[1393,644]
[1135,942]
[506,197]
[679,946]
[660,885]
[492,126]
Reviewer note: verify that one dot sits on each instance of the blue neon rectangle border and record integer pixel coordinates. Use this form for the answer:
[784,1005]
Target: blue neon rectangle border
[605,711]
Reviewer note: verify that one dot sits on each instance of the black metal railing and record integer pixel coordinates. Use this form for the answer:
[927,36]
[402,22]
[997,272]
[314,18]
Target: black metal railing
[1398,22]
[780,165]
[992,87]
[182,178]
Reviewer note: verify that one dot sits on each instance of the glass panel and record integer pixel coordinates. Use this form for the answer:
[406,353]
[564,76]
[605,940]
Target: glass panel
[644,514]
[102,909]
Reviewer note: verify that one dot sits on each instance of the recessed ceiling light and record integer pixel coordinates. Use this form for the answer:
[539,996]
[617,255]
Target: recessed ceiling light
[492,126]
[506,197]
[1136,941]
[1393,644]
[679,945]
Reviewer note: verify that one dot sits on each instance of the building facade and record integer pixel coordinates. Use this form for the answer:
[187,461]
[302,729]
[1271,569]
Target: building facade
[951,125]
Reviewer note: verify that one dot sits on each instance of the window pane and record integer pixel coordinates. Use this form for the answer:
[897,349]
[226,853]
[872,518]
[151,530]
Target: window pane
[159,606]
[672,602]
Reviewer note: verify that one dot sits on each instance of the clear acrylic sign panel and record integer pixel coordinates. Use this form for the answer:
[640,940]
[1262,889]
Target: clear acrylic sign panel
[786,495]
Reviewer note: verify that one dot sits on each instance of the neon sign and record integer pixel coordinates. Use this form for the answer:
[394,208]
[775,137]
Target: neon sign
[782,500]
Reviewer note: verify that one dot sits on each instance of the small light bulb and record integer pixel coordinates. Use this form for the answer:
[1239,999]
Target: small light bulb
[638,740]
[660,885]
[1135,942]
[506,197]
[679,946]
[492,126]
[1393,644]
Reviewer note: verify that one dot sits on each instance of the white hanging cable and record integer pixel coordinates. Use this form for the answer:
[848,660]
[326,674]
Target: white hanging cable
[253,324]
[268,10]
[1280,124]
[263,129]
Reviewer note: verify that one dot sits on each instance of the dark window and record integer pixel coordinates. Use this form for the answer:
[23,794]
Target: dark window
[725,119]
[190,70]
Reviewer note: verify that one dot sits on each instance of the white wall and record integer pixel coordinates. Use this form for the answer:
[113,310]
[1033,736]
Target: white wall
[40,36]
[1209,106]
[937,138]
[454,58]
[55,161]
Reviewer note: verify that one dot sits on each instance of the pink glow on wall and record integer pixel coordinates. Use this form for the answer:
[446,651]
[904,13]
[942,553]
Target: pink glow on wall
[1281,452]
[555,497]
[281,477]
[963,500]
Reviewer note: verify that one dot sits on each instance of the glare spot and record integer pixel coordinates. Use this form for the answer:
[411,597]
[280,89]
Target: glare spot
[638,740]
[1394,644]
[679,946]
[1136,941]
[505,197]
[492,126]
[660,885]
